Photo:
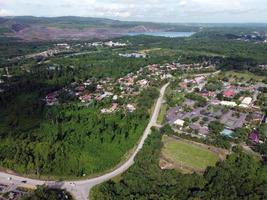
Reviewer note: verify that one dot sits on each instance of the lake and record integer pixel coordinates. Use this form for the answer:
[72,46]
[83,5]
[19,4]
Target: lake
[163,34]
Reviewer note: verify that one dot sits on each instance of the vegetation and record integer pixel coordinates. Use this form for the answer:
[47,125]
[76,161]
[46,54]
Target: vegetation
[201,101]
[238,177]
[188,154]
[68,138]
[44,193]
[162,113]
[216,127]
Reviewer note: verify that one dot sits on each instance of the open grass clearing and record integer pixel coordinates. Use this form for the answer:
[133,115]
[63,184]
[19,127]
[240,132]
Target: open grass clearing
[246,76]
[162,113]
[190,156]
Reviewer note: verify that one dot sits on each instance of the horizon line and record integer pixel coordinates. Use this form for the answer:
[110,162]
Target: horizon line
[121,20]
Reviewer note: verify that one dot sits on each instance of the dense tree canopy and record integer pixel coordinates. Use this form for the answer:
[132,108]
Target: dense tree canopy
[238,177]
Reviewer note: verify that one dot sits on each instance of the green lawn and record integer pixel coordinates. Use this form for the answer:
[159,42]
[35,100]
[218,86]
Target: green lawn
[189,155]
[162,113]
[243,75]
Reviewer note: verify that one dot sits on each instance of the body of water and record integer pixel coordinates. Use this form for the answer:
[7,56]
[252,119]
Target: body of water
[164,34]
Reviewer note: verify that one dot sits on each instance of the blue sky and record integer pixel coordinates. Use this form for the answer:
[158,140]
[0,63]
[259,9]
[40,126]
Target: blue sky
[143,10]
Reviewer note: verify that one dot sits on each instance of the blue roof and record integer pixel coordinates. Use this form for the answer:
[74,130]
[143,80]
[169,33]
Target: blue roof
[227,132]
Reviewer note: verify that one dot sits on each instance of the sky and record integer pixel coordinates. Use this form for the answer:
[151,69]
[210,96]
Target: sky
[180,11]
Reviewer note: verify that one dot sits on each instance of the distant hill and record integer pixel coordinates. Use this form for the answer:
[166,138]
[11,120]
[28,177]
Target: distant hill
[30,28]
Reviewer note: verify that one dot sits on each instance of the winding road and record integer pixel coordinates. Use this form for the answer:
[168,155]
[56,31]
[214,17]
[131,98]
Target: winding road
[81,189]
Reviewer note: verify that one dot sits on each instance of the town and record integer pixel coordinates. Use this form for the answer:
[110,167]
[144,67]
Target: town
[221,104]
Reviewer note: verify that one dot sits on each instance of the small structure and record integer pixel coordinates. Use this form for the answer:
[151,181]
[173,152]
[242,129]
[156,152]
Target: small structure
[113,108]
[199,79]
[130,108]
[246,102]
[115,98]
[85,98]
[228,103]
[229,93]
[227,133]
[254,137]
[51,99]
[179,122]
[143,83]
[133,55]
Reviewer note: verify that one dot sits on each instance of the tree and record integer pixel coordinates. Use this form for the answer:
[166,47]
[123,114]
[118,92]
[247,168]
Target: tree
[216,127]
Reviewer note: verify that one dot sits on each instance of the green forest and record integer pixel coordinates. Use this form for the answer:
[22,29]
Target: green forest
[71,140]
[240,176]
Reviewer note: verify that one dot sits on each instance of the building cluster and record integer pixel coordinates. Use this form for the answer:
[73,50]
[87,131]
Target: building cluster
[254,37]
[133,55]
[234,109]
[120,92]
[8,192]
[102,44]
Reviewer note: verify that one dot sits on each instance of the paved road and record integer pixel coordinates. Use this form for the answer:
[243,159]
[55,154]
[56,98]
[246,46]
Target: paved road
[81,189]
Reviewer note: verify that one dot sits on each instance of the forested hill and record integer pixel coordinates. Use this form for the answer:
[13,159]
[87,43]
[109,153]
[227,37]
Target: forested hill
[30,28]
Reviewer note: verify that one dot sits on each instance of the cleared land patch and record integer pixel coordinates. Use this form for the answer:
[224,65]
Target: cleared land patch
[188,156]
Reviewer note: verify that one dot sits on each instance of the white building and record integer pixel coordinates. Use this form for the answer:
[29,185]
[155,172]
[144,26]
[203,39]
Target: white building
[246,102]
[179,122]
[228,103]
[130,108]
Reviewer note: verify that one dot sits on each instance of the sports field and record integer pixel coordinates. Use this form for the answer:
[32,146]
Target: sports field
[188,156]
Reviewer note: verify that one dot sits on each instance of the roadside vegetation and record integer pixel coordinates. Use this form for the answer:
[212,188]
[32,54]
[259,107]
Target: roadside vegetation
[44,193]
[240,176]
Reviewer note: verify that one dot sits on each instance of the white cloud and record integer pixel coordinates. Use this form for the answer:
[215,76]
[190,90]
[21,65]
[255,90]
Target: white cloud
[145,10]
[4,12]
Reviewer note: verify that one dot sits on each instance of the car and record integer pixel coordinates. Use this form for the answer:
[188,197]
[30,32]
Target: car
[24,181]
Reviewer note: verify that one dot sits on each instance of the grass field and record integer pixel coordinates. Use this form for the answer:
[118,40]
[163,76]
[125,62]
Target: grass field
[243,75]
[162,113]
[188,156]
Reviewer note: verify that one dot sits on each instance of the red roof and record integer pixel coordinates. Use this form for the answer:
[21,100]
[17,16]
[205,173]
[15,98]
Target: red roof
[229,93]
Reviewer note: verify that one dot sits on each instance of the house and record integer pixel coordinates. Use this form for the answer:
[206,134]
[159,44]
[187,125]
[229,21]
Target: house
[201,130]
[208,94]
[246,102]
[80,88]
[115,98]
[215,102]
[130,108]
[110,110]
[51,99]
[183,85]
[143,83]
[102,96]
[85,98]
[254,137]
[166,76]
[179,122]
[133,55]
[229,93]
[115,44]
[228,103]
[199,79]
